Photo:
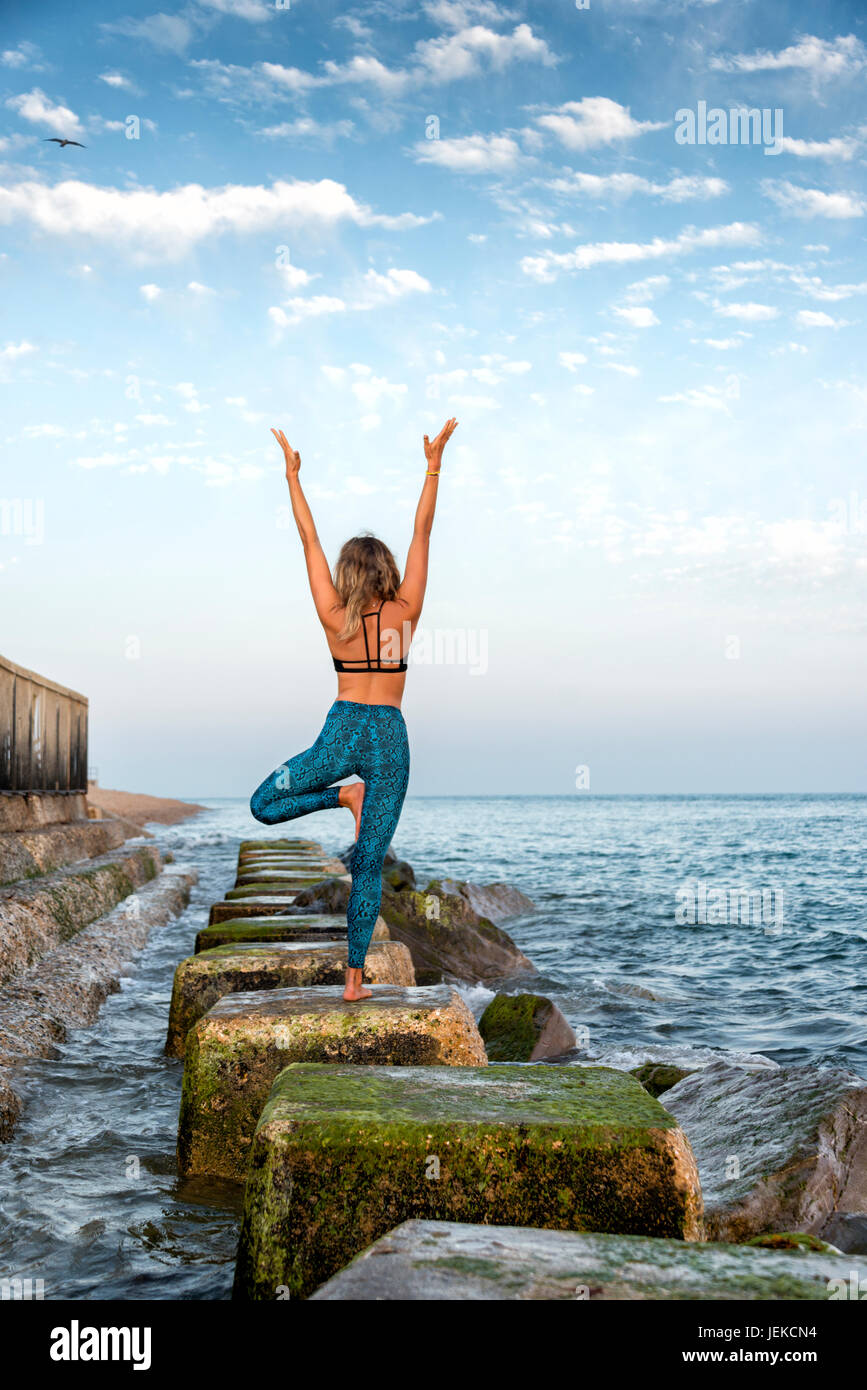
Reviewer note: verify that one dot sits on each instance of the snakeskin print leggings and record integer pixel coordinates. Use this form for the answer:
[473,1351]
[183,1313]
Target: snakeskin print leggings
[370,742]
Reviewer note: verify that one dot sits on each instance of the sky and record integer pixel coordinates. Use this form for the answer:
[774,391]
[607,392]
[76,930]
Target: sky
[354,221]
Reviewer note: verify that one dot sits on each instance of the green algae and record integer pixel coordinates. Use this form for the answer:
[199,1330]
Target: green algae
[341,1156]
[657,1077]
[508,1026]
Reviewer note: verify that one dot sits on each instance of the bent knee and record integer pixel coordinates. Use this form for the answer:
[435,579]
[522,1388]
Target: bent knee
[259,806]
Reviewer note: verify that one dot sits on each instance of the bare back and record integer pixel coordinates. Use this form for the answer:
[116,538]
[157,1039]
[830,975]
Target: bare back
[372,687]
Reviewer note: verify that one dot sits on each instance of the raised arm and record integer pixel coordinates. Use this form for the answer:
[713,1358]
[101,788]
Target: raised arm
[322,588]
[412,589]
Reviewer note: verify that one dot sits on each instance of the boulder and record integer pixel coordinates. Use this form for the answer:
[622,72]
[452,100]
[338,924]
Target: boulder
[234,1053]
[398,875]
[657,1077]
[202,979]
[524,1028]
[342,1154]
[846,1230]
[331,895]
[496,901]
[777,1150]
[447,1261]
[447,938]
[316,927]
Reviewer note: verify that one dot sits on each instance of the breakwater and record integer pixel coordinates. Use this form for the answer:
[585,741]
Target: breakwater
[107,1106]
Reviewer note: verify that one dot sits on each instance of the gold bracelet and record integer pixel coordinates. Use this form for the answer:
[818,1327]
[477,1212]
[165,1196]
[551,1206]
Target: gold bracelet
[433,473]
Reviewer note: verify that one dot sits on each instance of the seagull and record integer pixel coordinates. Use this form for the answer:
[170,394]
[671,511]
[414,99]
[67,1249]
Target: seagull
[56,140]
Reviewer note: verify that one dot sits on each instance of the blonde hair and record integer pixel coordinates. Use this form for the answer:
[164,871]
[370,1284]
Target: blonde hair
[365,574]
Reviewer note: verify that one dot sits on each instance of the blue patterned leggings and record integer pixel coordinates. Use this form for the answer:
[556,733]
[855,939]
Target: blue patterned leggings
[370,742]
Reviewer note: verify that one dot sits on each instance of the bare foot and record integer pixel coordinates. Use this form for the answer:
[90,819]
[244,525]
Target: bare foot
[353,797]
[354,988]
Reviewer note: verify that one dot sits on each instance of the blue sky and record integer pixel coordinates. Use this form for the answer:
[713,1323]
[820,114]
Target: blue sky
[354,221]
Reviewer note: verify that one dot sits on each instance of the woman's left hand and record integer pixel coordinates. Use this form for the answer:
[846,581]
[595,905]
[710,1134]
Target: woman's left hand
[293,459]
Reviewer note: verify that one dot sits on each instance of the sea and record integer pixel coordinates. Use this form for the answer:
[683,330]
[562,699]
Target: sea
[681,929]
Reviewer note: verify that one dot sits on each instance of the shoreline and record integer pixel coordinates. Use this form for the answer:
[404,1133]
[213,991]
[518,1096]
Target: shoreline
[139,807]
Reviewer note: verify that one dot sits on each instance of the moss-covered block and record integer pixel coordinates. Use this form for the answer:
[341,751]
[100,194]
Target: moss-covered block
[342,1154]
[275,888]
[442,1261]
[315,927]
[290,876]
[247,845]
[274,863]
[202,979]
[234,1053]
[264,906]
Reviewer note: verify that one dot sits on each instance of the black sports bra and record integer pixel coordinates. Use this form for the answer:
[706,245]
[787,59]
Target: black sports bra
[369,664]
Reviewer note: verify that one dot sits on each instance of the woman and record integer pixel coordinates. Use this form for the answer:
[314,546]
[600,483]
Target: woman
[369,615]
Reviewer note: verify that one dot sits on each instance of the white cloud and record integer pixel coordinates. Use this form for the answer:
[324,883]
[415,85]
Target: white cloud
[840,147]
[36,107]
[470,154]
[546,266]
[300,309]
[820,57]
[115,79]
[369,390]
[148,222]
[13,350]
[723,344]
[571,360]
[102,460]
[458,55]
[169,33]
[457,14]
[22,56]
[750,313]
[254,10]
[638,315]
[813,318]
[625,368]
[150,292]
[394,284]
[294,277]
[624,185]
[812,202]
[306,128]
[815,287]
[707,397]
[374,290]
[190,396]
[640,291]
[594,121]
[43,432]
[467,53]
[195,287]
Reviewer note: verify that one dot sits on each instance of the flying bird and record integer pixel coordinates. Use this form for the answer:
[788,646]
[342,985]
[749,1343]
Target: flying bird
[56,140]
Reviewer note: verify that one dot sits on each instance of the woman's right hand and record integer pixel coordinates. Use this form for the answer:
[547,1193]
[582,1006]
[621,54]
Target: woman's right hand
[433,450]
[293,460]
